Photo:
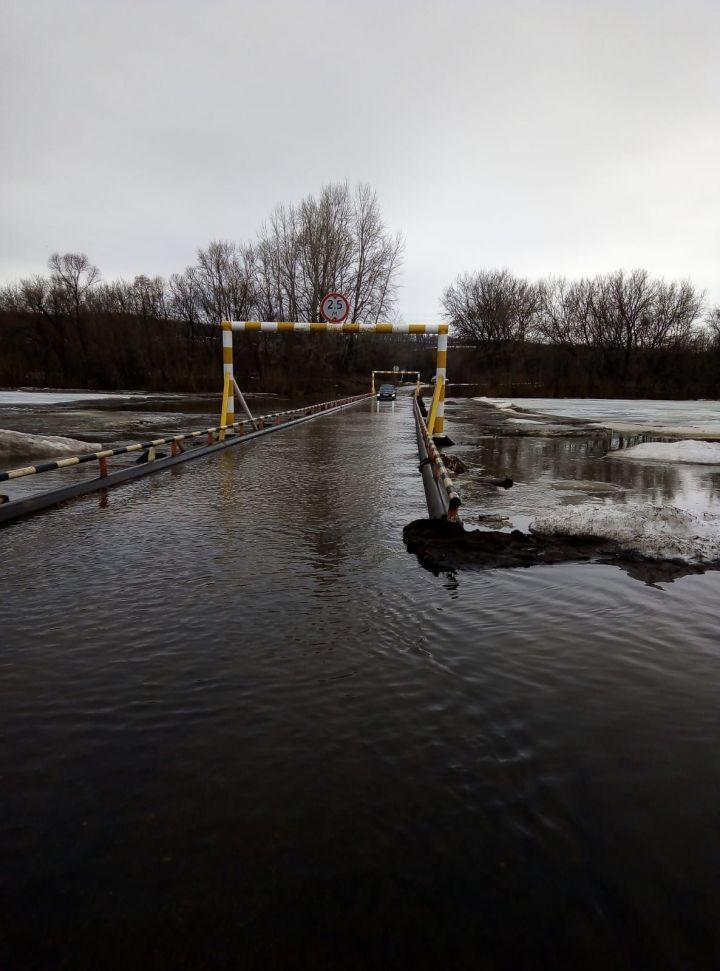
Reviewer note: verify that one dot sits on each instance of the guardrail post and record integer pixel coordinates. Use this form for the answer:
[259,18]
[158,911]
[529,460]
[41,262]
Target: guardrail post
[103,466]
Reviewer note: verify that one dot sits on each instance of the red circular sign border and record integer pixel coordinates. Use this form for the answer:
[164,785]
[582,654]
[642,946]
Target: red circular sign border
[344,317]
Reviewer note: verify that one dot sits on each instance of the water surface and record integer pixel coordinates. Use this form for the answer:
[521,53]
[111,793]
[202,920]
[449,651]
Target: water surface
[241,726]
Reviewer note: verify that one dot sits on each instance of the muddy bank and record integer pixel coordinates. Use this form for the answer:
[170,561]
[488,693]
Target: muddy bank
[443,547]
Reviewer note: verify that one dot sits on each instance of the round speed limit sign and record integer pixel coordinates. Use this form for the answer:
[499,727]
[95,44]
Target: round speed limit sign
[334,308]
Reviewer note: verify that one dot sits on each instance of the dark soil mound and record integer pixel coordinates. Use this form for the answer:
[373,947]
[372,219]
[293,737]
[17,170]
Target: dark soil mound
[443,547]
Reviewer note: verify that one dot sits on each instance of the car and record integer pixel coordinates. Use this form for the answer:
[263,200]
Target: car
[386,392]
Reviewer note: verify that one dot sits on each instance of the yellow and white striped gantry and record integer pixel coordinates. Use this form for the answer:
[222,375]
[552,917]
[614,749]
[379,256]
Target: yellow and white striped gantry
[292,326]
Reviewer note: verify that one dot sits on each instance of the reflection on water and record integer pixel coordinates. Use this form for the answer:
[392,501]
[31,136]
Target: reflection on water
[242,726]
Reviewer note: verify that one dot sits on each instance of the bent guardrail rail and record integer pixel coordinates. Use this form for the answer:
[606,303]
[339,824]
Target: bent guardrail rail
[440,492]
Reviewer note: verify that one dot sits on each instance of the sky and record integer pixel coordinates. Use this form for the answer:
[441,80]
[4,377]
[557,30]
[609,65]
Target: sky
[552,138]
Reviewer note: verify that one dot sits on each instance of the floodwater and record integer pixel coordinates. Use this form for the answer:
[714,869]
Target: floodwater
[556,471]
[242,727]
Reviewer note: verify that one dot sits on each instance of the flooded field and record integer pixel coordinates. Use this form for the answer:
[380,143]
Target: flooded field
[571,466]
[37,425]
[243,726]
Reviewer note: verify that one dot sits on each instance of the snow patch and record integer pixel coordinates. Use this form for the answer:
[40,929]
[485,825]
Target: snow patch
[58,397]
[20,447]
[495,402]
[697,453]
[658,532]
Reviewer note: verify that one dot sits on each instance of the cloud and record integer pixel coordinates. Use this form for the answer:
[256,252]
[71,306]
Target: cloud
[552,138]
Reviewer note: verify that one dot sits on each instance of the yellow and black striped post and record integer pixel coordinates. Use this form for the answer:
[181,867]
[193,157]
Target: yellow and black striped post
[228,376]
[441,372]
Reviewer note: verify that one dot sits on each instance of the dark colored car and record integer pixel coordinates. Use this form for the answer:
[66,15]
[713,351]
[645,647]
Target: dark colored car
[386,392]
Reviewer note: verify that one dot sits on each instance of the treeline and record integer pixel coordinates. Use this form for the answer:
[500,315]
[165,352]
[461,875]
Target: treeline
[622,333]
[69,328]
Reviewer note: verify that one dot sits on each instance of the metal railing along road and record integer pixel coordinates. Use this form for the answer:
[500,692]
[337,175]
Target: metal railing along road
[442,496]
[175,441]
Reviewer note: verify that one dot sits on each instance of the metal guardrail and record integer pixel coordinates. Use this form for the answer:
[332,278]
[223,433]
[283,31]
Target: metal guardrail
[174,441]
[442,496]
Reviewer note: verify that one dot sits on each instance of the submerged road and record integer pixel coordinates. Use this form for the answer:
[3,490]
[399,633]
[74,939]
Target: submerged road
[241,726]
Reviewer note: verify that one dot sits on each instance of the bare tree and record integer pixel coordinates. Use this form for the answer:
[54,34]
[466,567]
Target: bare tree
[712,325]
[675,311]
[184,297]
[336,241]
[74,276]
[563,316]
[377,257]
[276,263]
[492,307]
[223,285]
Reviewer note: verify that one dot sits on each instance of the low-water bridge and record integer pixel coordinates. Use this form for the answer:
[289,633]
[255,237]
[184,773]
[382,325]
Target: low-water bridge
[441,496]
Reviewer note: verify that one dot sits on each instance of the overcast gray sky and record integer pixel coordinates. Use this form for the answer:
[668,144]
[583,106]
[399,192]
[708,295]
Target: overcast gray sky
[559,138]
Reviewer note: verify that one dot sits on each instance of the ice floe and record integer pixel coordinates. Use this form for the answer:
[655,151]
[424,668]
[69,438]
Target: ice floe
[58,397]
[658,532]
[692,451]
[495,402]
[20,447]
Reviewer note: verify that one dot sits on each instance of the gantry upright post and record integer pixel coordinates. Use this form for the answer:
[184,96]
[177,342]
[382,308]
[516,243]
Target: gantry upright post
[441,370]
[227,345]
